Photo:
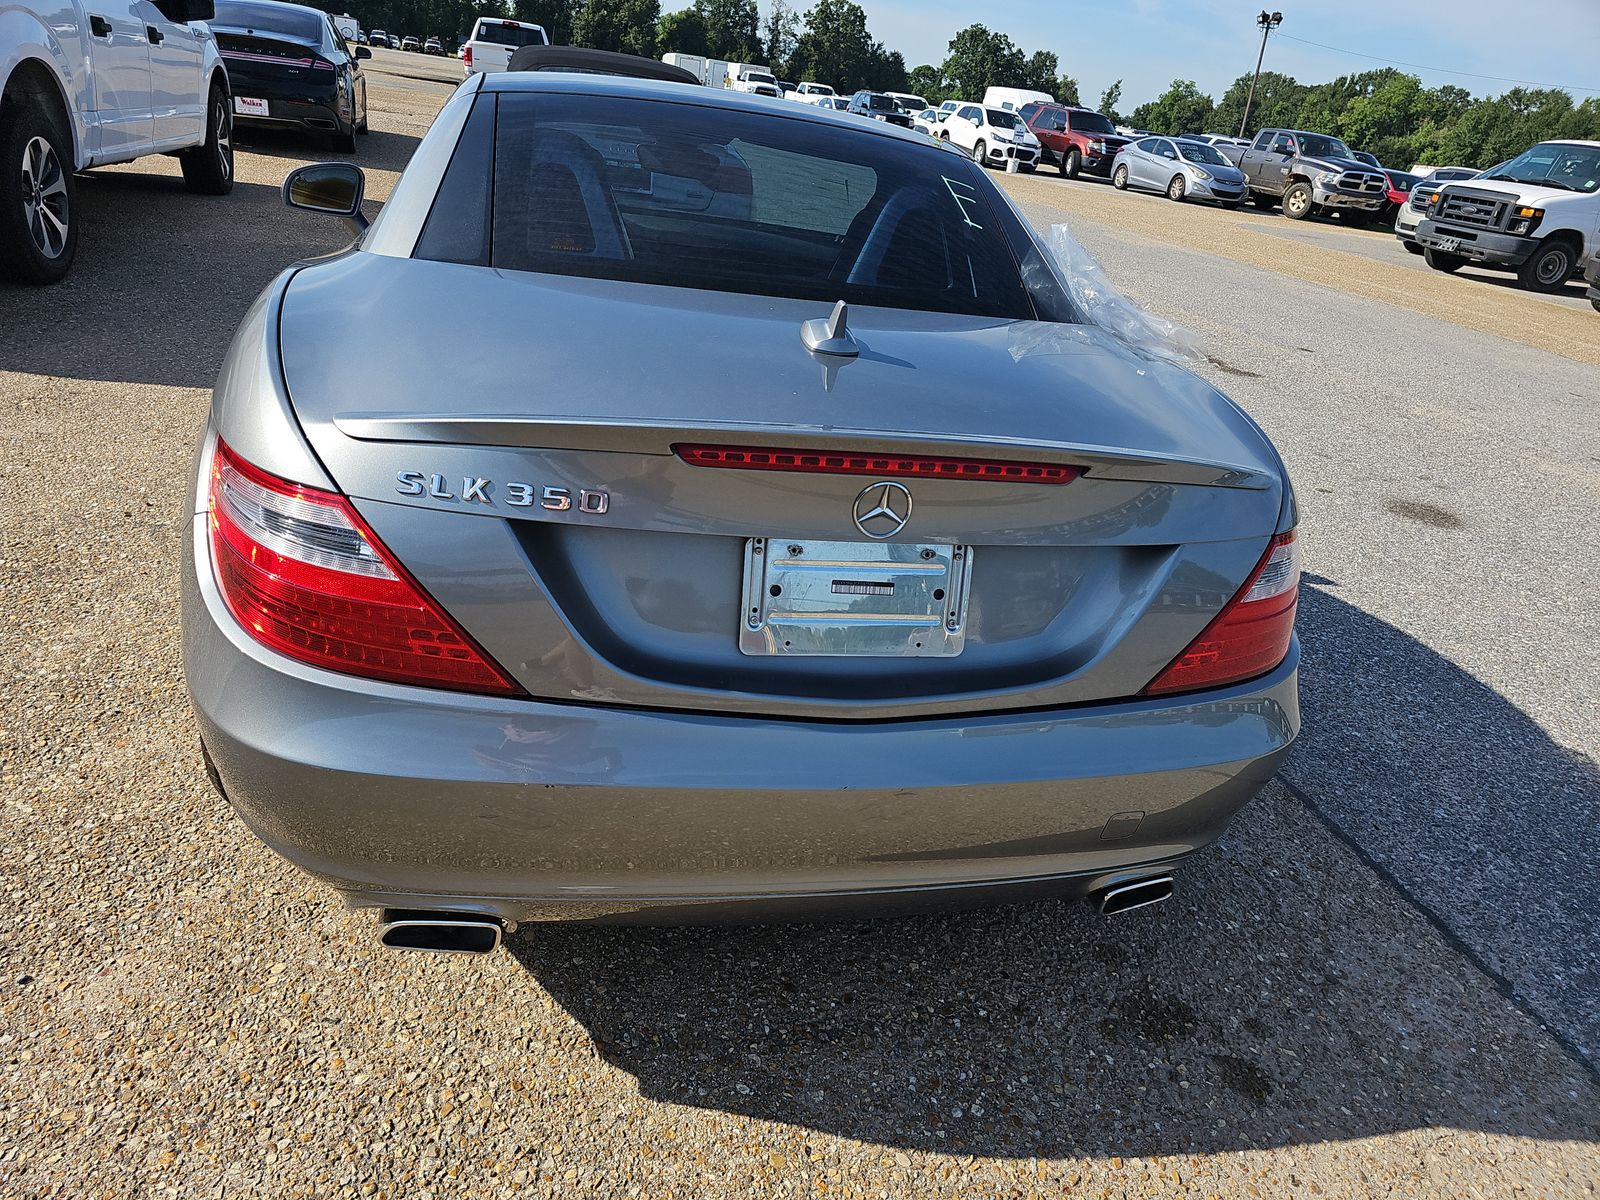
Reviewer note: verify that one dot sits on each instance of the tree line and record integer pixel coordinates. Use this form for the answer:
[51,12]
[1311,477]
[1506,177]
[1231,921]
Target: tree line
[1385,112]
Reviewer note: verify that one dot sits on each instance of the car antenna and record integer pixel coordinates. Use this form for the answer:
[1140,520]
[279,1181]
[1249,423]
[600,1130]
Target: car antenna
[829,335]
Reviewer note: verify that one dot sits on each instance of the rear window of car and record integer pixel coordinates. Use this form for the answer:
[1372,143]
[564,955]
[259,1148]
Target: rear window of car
[280,19]
[716,199]
[502,34]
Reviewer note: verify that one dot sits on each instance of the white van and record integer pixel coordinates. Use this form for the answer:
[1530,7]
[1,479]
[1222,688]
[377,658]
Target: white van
[1013,99]
[495,39]
[1537,216]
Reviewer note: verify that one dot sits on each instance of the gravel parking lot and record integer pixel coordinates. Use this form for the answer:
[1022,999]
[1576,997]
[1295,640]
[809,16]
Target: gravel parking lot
[1384,981]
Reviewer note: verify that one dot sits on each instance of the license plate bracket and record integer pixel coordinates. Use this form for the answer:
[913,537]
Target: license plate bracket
[854,599]
[249,106]
[1449,245]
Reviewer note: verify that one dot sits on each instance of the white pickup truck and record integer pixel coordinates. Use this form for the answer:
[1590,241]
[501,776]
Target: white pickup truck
[85,83]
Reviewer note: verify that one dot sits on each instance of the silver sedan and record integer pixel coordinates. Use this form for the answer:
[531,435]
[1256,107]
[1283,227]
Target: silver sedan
[673,555]
[1182,168]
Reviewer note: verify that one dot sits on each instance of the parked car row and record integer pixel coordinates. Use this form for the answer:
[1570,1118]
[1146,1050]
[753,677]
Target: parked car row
[82,89]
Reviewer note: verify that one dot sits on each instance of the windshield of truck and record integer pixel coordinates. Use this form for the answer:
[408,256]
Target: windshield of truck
[757,77]
[1551,164]
[1320,145]
[1199,152]
[911,104]
[502,34]
[1001,119]
[279,20]
[881,103]
[1091,122]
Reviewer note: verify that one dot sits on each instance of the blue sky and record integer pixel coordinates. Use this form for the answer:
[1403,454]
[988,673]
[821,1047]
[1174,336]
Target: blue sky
[1148,43]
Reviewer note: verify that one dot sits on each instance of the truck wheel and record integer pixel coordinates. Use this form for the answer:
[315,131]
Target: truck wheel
[208,167]
[1548,267]
[1297,204]
[1071,163]
[1263,202]
[1440,261]
[1176,189]
[1119,177]
[38,195]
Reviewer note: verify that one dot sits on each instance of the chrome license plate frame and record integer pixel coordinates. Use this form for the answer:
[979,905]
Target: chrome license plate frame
[814,598]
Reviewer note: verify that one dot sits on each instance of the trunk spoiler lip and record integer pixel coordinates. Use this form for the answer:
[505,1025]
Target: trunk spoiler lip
[658,438]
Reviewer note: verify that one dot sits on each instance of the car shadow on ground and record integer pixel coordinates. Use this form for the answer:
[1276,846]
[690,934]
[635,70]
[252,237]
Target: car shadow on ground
[1286,995]
[161,280]
[377,150]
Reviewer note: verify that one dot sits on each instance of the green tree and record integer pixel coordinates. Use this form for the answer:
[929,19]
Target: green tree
[555,15]
[731,29]
[1066,90]
[1182,108]
[682,32]
[926,81]
[1039,72]
[886,69]
[1109,99]
[835,47]
[628,26]
[781,31]
[1277,104]
[980,59]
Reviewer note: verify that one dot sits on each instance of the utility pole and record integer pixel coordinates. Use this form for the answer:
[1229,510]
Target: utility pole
[1268,22]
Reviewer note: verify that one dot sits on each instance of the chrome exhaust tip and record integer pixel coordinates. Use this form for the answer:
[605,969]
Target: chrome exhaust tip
[1137,893]
[439,932]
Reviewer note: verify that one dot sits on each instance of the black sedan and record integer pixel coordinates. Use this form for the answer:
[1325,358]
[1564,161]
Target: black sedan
[291,69]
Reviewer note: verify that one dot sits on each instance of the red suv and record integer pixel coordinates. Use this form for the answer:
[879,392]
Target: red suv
[1075,139]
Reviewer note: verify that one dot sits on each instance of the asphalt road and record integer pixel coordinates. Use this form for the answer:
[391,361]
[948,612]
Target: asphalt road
[1382,981]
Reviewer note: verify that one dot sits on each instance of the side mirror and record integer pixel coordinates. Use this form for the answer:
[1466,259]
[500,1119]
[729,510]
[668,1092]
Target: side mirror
[335,188]
[363,52]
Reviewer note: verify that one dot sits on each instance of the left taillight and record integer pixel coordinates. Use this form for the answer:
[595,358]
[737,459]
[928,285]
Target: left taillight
[304,575]
[1250,635]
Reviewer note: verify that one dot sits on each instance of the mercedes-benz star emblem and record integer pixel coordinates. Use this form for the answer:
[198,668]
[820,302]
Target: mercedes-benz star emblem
[882,509]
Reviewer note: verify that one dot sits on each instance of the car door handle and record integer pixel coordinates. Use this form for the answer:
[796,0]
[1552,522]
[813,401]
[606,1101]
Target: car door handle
[154,34]
[100,27]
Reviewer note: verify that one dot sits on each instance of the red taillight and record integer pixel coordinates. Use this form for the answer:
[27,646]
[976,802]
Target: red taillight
[1251,635]
[466,56]
[302,572]
[922,466]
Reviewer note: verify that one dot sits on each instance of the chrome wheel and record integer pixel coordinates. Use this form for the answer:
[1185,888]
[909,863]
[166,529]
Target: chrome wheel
[1119,178]
[44,197]
[1175,189]
[224,120]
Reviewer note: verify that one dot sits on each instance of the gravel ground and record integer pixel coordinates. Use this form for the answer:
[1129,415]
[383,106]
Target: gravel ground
[1348,997]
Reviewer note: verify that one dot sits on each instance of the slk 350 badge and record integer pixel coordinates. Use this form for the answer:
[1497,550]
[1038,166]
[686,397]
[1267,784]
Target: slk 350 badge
[477,490]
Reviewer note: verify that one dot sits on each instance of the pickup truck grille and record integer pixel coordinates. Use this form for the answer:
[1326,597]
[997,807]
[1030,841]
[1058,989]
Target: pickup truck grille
[1478,211]
[1362,181]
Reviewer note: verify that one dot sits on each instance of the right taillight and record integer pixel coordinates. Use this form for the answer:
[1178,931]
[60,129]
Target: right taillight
[1248,637]
[466,56]
[302,572]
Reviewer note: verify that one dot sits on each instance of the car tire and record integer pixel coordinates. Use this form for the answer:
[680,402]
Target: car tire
[1071,164]
[1263,202]
[38,236]
[1412,247]
[1297,202]
[980,153]
[1440,261]
[1119,177]
[1177,190]
[208,167]
[1549,267]
[1233,205]
[1596,303]
[345,140]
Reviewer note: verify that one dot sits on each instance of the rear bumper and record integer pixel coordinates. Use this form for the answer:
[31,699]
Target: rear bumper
[530,810]
[1476,245]
[297,111]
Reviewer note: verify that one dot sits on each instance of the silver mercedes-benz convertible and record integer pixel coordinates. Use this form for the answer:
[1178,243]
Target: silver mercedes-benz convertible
[681,505]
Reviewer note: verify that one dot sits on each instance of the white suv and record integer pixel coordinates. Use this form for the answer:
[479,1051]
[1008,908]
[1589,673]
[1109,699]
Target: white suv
[992,136]
[494,40]
[82,89]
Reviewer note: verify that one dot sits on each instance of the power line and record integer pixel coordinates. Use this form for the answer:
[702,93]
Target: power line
[1394,62]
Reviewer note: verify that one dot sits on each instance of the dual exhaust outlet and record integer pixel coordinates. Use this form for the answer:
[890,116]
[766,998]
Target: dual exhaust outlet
[437,931]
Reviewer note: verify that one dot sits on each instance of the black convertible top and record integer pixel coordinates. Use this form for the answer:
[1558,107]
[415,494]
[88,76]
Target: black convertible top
[596,62]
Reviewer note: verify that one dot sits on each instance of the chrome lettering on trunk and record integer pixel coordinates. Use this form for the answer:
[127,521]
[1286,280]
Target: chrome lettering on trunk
[475,489]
